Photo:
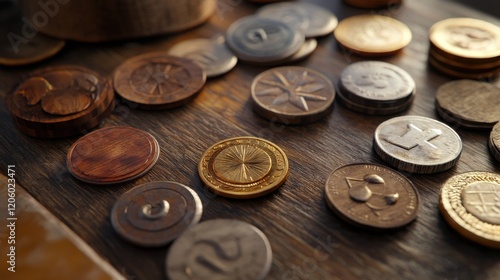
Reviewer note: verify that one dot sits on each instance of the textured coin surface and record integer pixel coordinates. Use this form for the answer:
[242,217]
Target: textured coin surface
[494,141]
[112,155]
[155,213]
[372,34]
[158,81]
[292,95]
[312,19]
[470,102]
[371,195]
[211,54]
[258,39]
[470,204]
[218,250]
[417,144]
[243,167]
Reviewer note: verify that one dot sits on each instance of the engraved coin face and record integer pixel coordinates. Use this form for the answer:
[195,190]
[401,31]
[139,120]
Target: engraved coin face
[158,81]
[372,34]
[313,20]
[292,95]
[211,54]
[417,144]
[470,204]
[112,155]
[155,213]
[260,39]
[220,249]
[243,167]
[372,196]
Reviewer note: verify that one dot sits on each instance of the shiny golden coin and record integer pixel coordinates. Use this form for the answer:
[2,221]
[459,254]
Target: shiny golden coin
[469,203]
[372,35]
[243,167]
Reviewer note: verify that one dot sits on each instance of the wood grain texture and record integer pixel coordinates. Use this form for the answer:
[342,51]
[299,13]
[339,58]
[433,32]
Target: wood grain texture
[308,240]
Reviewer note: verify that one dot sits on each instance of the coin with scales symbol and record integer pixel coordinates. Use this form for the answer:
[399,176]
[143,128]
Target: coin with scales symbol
[364,192]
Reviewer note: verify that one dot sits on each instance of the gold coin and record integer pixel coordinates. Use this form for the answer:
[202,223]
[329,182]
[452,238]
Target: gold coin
[469,203]
[243,167]
[372,35]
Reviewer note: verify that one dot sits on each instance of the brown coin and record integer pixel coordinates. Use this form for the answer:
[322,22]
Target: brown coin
[459,74]
[158,81]
[112,155]
[494,141]
[463,65]
[372,196]
[292,95]
[372,35]
[469,203]
[470,102]
[155,213]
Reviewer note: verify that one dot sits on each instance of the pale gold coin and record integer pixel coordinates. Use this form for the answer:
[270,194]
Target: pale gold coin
[372,35]
[243,167]
[470,204]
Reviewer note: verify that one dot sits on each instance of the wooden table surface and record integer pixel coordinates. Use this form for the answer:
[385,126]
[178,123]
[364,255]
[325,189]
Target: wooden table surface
[308,240]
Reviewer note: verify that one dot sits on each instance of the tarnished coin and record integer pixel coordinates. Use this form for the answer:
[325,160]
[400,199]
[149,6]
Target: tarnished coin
[469,103]
[307,49]
[220,249]
[156,213]
[372,196]
[494,141]
[417,144]
[211,54]
[373,4]
[372,35]
[258,39]
[292,95]
[243,167]
[470,204]
[376,109]
[158,81]
[312,19]
[112,155]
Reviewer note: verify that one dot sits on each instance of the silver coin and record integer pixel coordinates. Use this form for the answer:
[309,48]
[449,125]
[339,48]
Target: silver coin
[211,54]
[220,249]
[260,39]
[307,49]
[312,19]
[417,144]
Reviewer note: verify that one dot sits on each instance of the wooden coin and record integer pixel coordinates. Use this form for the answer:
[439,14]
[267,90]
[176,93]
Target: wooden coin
[469,203]
[220,249]
[292,95]
[155,213]
[158,81]
[494,141]
[372,196]
[372,35]
[112,155]
[243,167]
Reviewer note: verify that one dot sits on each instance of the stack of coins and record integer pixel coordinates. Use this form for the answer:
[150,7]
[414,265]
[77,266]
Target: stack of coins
[465,48]
[494,142]
[376,88]
[373,4]
[60,102]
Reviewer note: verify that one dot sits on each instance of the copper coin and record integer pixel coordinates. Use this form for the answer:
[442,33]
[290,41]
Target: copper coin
[462,65]
[469,203]
[112,155]
[220,249]
[372,35]
[155,213]
[243,167]
[494,141]
[292,95]
[372,196]
[460,74]
[158,81]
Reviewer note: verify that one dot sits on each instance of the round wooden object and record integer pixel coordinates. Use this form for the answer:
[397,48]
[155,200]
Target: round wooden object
[98,21]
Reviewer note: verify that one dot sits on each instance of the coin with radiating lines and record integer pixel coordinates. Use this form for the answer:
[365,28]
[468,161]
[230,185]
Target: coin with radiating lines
[292,95]
[470,203]
[155,213]
[243,167]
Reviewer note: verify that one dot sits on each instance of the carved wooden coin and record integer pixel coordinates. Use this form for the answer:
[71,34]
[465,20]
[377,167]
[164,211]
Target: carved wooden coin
[158,81]
[372,196]
[155,213]
[220,249]
[470,204]
[112,155]
[292,95]
[243,167]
